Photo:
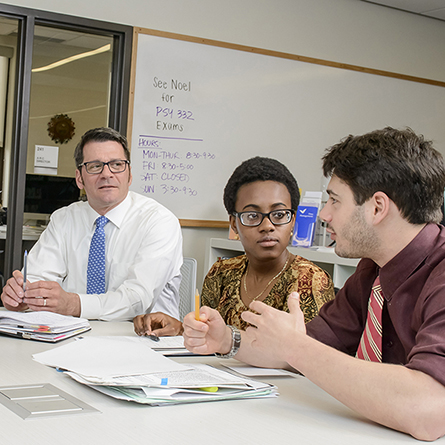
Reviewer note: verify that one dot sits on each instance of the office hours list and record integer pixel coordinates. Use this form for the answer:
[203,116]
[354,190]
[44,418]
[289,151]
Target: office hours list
[169,156]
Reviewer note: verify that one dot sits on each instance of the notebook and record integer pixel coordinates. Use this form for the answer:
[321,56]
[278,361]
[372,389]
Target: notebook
[41,325]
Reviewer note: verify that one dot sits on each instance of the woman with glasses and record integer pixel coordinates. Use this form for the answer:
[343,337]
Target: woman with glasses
[261,198]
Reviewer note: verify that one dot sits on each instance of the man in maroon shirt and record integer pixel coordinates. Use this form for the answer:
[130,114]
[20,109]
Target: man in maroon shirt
[385,198]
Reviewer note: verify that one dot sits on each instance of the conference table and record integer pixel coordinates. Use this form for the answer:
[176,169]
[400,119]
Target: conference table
[301,414]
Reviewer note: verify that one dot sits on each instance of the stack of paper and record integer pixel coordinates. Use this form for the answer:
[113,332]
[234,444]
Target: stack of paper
[33,230]
[173,346]
[42,325]
[127,368]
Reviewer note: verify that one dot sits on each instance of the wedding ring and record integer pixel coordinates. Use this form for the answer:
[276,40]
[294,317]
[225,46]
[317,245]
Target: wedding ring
[44,302]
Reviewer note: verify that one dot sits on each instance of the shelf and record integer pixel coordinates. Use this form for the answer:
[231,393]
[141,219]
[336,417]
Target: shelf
[339,268]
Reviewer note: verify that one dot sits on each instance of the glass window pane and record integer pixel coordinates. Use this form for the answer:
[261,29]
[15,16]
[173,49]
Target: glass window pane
[70,88]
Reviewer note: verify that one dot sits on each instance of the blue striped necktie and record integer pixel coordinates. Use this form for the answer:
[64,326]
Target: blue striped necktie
[96,259]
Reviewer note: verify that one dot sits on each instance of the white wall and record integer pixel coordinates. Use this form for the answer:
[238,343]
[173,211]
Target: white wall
[348,31]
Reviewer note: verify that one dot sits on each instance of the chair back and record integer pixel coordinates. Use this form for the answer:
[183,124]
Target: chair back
[187,287]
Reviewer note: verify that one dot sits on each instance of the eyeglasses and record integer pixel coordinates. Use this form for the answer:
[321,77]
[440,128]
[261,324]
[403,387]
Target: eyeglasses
[276,217]
[97,167]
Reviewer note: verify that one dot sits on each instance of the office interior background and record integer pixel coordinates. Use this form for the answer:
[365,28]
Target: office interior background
[346,31]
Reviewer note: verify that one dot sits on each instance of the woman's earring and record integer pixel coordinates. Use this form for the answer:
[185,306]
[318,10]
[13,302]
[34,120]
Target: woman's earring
[233,234]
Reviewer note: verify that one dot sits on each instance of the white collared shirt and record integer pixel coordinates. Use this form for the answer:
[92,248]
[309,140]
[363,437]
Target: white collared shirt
[143,258]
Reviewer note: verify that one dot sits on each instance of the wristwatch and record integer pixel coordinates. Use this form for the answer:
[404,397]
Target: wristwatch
[236,343]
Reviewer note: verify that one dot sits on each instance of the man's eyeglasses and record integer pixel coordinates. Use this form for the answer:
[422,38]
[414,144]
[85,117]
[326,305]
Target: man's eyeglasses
[276,217]
[97,167]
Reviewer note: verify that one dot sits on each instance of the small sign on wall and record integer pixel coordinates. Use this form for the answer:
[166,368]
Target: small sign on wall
[46,159]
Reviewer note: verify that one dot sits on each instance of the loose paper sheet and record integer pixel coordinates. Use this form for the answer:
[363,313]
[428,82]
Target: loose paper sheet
[107,357]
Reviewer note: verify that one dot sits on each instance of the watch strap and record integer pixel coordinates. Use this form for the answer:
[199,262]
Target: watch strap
[236,343]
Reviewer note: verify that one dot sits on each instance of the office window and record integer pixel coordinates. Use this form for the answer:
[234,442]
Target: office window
[70,91]
[64,75]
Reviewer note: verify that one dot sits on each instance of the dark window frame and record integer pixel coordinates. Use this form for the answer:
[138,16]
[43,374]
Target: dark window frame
[118,111]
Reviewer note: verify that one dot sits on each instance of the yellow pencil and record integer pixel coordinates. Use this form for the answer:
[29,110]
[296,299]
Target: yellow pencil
[197,305]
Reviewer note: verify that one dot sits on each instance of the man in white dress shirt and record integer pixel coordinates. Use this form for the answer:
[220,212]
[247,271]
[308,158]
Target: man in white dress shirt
[143,245]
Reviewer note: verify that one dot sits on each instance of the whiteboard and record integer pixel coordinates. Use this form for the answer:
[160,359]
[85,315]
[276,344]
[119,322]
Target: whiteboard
[199,110]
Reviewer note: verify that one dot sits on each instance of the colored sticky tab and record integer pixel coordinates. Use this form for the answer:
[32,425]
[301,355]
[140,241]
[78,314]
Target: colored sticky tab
[43,329]
[210,389]
[164,381]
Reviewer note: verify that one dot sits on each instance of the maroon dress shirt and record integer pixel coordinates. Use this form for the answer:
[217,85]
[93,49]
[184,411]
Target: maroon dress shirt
[413,285]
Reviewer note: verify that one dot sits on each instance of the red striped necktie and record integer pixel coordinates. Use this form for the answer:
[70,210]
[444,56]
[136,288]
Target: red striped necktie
[370,347]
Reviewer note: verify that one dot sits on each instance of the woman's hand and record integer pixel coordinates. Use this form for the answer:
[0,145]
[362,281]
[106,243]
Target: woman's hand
[208,335]
[158,324]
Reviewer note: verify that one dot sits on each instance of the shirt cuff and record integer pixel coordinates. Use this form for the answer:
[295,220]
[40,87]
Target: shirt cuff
[89,306]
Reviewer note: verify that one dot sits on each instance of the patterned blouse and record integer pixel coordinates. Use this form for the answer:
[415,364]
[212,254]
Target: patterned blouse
[221,289]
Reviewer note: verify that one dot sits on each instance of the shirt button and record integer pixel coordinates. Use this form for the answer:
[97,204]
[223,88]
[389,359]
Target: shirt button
[389,343]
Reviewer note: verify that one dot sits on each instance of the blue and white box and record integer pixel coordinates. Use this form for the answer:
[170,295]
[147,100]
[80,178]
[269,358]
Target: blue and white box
[305,224]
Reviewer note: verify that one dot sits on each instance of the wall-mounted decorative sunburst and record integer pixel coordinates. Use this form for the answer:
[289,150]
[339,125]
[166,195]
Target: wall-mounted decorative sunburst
[61,128]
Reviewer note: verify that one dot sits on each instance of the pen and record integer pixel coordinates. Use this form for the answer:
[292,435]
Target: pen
[25,264]
[197,305]
[153,337]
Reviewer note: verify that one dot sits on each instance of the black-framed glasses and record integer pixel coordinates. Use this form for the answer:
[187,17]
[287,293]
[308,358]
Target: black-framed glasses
[97,167]
[276,217]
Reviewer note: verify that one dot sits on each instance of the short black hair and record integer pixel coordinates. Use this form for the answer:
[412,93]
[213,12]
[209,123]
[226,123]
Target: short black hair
[259,169]
[399,163]
[101,134]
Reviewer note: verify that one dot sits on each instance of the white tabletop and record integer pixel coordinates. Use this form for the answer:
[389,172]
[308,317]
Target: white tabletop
[302,414]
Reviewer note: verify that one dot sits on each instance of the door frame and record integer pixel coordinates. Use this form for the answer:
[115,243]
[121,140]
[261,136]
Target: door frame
[118,106]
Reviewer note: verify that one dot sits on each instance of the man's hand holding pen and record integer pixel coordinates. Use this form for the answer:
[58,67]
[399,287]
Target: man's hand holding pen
[13,294]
